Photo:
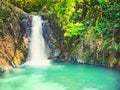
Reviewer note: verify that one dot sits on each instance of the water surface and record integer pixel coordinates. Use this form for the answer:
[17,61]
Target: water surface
[61,76]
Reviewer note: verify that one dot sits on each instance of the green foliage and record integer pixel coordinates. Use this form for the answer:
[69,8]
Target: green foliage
[103,1]
[92,24]
[73,29]
[2,13]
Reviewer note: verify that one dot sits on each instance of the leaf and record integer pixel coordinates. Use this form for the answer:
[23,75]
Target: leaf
[117,25]
[103,1]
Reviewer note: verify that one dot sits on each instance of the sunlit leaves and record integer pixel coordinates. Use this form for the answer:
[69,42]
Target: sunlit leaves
[73,29]
[103,1]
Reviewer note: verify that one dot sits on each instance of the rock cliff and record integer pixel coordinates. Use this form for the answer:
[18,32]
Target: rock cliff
[12,47]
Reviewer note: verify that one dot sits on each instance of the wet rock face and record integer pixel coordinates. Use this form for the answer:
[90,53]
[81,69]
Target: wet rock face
[12,48]
[48,34]
[54,38]
[51,41]
[26,26]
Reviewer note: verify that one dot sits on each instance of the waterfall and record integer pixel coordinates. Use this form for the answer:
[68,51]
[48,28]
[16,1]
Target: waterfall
[38,49]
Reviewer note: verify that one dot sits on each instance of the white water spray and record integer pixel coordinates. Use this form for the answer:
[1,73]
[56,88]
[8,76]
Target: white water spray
[38,50]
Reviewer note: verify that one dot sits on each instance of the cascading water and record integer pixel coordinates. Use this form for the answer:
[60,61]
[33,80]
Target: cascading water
[38,50]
